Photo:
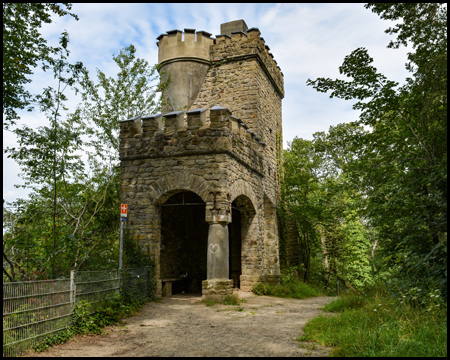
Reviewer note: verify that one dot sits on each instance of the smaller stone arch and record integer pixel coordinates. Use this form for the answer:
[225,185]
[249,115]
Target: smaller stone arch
[241,187]
[243,236]
[244,204]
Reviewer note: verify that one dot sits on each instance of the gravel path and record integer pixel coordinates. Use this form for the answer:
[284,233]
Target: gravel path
[180,325]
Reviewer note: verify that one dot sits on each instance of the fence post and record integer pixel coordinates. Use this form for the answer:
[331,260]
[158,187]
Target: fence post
[121,244]
[119,282]
[147,280]
[73,289]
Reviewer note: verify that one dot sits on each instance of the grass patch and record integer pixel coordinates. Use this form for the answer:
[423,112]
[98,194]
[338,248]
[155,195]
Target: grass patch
[233,300]
[229,300]
[289,288]
[378,325]
[351,301]
[209,302]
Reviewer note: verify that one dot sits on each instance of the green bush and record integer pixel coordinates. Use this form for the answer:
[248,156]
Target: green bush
[232,300]
[291,287]
[83,322]
[262,289]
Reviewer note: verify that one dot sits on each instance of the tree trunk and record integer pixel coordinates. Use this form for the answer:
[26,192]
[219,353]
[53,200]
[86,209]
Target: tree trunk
[12,276]
[374,246]
[326,265]
[305,256]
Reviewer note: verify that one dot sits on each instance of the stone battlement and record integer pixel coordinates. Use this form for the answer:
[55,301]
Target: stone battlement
[196,45]
[241,46]
[191,133]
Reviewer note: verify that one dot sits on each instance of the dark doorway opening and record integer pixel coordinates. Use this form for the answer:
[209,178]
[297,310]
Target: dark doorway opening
[235,245]
[184,241]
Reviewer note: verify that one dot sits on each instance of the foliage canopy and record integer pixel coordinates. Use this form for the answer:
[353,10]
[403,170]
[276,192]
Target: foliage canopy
[24,48]
[401,162]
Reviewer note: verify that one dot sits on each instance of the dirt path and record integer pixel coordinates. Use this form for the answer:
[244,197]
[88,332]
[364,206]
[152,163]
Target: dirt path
[181,325]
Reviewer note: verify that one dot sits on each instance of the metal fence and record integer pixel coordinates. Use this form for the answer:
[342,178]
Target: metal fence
[135,282]
[35,309]
[95,287]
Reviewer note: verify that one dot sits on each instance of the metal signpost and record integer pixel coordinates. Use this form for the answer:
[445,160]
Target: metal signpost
[123,218]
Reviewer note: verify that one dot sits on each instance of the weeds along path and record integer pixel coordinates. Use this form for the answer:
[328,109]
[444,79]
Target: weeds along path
[180,325]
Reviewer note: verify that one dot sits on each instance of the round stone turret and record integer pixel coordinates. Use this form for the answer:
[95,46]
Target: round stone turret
[185,63]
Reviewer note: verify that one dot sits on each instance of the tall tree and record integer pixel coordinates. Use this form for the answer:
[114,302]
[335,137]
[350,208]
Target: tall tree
[402,160]
[85,211]
[46,154]
[132,92]
[318,192]
[24,49]
[299,186]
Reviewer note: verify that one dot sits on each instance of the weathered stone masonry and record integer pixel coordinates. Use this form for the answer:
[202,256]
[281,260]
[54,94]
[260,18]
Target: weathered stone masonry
[202,186]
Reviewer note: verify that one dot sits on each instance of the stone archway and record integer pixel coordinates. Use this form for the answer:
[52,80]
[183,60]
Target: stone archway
[183,246]
[243,243]
[160,190]
[241,187]
[235,246]
[158,193]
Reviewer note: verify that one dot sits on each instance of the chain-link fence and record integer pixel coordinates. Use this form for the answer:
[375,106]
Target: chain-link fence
[34,309]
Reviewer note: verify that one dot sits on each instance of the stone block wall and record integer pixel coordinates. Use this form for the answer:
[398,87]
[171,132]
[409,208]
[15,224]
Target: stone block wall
[225,146]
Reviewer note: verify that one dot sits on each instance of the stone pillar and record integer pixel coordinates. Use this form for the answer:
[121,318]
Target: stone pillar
[218,251]
[218,285]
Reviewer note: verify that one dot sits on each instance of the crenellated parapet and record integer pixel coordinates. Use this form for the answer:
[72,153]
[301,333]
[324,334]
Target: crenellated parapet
[181,133]
[178,46]
[241,46]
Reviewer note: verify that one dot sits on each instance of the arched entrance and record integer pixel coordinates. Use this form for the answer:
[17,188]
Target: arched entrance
[235,245]
[184,238]
[243,216]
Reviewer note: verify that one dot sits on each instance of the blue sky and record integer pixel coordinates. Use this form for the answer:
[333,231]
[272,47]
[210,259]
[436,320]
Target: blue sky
[307,41]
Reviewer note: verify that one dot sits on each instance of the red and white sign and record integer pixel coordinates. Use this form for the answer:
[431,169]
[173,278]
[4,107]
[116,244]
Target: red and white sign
[123,210]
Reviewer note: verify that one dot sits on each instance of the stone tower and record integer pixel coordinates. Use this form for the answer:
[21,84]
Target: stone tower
[201,179]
